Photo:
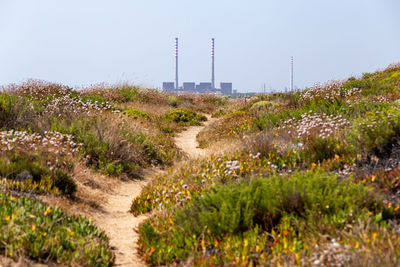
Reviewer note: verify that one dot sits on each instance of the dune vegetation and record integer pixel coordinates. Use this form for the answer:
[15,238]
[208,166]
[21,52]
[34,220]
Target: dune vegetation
[307,178]
[49,130]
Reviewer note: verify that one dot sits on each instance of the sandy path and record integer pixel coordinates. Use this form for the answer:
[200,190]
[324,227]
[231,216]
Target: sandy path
[116,220]
[119,224]
[186,140]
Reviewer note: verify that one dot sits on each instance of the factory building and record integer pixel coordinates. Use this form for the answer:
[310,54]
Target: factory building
[226,88]
[192,87]
[168,86]
[189,87]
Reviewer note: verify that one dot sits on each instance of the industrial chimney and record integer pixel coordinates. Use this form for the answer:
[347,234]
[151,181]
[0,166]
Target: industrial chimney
[291,74]
[176,64]
[212,65]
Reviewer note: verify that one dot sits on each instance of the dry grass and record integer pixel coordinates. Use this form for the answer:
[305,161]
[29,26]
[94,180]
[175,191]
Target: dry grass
[93,189]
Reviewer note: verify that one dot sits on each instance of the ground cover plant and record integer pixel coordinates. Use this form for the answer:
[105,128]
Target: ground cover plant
[48,130]
[43,233]
[313,182]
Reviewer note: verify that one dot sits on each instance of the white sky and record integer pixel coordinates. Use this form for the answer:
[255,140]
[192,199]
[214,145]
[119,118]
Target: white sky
[84,42]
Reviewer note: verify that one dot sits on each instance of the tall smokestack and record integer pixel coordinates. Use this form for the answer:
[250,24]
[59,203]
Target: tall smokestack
[212,64]
[176,64]
[291,74]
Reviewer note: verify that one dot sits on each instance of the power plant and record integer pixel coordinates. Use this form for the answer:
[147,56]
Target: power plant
[202,87]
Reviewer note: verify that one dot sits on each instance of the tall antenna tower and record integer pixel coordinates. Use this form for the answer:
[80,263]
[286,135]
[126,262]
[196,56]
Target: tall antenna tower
[176,64]
[291,74]
[212,64]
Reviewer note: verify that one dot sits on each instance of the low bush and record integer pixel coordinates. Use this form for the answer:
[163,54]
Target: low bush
[238,208]
[174,101]
[16,112]
[185,117]
[136,113]
[376,131]
[261,205]
[64,182]
[43,233]
[28,173]
[129,93]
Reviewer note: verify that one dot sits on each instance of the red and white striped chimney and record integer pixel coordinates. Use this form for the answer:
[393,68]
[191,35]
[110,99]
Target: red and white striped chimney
[212,64]
[176,64]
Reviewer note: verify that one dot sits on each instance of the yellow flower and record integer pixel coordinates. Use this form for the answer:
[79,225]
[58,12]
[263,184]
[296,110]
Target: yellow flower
[48,210]
[7,218]
[374,236]
[327,206]
[373,178]
[33,227]
[313,165]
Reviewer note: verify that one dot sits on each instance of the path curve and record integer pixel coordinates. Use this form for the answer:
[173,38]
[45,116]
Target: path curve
[116,220]
[187,142]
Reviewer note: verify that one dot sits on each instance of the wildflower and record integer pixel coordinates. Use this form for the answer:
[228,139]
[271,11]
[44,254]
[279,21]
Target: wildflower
[48,210]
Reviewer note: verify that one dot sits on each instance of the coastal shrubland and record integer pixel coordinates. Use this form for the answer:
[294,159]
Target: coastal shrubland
[50,133]
[312,180]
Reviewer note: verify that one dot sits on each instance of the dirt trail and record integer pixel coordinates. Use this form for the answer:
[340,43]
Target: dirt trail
[186,140]
[119,224]
[115,219]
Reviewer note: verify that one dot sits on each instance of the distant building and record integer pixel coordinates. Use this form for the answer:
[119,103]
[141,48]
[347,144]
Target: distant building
[189,87]
[201,88]
[226,88]
[168,86]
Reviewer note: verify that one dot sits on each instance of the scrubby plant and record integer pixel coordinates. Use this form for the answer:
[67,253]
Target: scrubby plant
[136,113]
[129,93]
[261,106]
[185,117]
[44,233]
[237,208]
[65,183]
[251,208]
[377,131]
[174,101]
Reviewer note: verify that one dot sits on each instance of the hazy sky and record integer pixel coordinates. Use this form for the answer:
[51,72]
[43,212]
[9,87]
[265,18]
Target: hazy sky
[86,42]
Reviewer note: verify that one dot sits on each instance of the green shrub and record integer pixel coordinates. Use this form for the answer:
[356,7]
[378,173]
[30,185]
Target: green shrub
[253,208]
[174,101]
[113,168]
[238,208]
[129,93]
[136,113]
[11,167]
[43,233]
[375,130]
[318,149]
[261,105]
[65,183]
[270,120]
[16,112]
[185,117]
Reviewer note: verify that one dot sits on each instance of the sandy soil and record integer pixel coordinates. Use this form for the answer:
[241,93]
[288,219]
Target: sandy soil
[119,224]
[107,202]
[186,140]
[114,217]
